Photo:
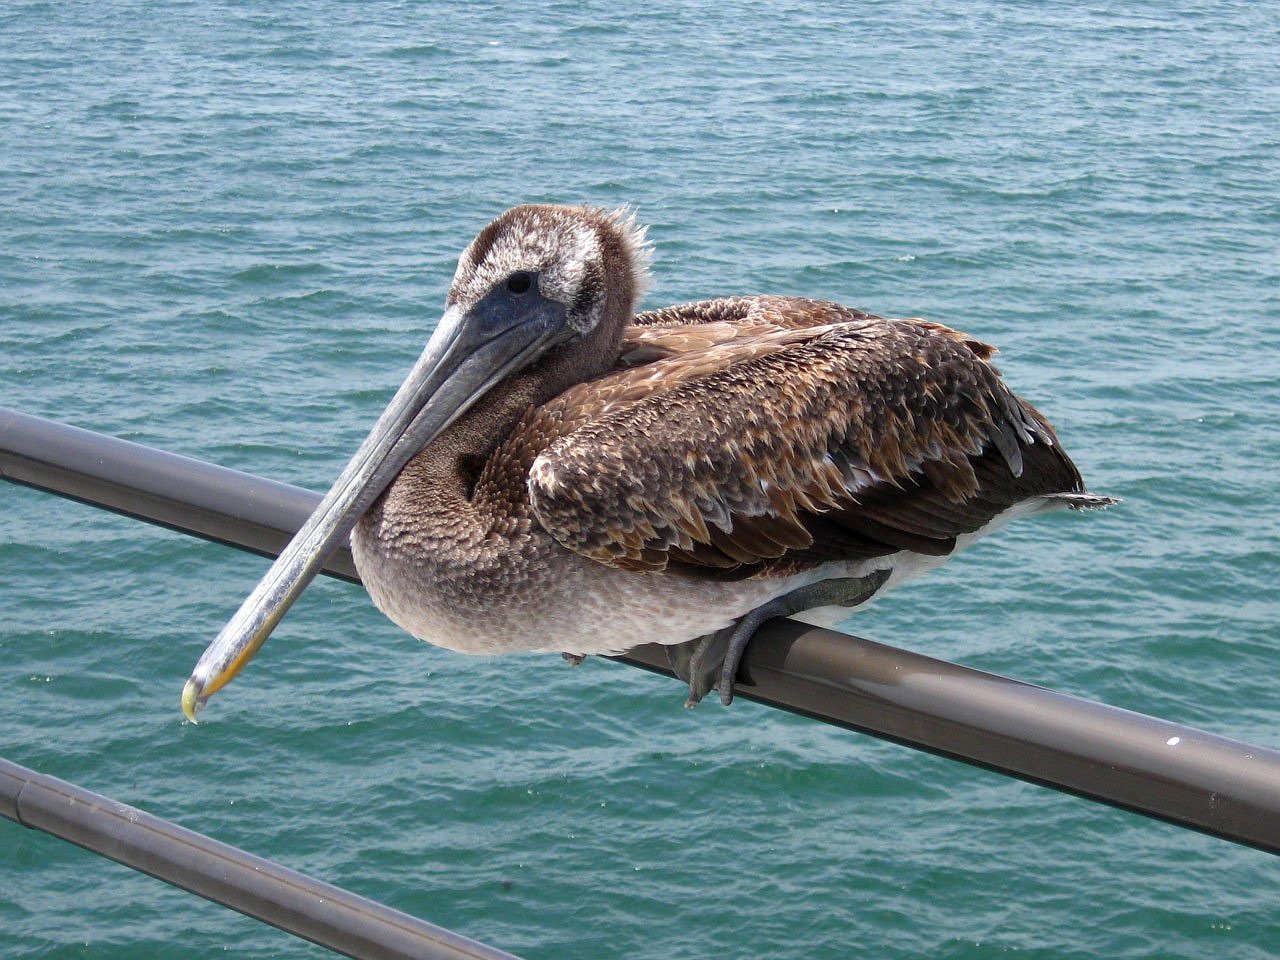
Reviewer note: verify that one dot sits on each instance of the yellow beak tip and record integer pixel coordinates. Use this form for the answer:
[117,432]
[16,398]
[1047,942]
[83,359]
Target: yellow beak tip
[191,699]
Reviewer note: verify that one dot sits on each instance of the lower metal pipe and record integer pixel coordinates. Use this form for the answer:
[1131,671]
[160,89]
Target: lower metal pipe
[294,902]
[1165,770]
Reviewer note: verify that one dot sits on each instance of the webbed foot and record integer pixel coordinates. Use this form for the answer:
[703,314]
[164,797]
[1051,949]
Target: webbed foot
[712,661]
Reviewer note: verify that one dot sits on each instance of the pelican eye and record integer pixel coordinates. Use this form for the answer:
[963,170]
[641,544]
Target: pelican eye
[520,283]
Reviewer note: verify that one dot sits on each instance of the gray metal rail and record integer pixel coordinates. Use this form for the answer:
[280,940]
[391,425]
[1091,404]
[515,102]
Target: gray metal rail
[1195,779]
[301,905]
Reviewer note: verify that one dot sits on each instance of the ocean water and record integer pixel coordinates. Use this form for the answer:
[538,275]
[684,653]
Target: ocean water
[227,228]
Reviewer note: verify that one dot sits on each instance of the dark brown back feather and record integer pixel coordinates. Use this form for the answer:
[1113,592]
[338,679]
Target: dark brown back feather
[765,435]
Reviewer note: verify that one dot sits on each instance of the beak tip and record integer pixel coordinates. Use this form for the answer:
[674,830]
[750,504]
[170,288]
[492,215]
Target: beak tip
[191,699]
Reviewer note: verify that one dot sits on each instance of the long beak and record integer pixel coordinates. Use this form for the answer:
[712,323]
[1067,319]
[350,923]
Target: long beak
[465,357]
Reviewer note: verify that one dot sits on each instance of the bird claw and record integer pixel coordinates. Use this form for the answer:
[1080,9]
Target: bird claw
[689,662]
[711,662]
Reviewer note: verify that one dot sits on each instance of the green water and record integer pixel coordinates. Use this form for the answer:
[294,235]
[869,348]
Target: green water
[227,229]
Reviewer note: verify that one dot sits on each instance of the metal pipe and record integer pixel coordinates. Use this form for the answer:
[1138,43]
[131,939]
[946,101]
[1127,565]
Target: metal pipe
[1164,770]
[181,493]
[284,898]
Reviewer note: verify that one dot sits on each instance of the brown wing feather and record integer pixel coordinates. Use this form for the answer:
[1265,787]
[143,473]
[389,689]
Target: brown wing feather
[784,313]
[764,435]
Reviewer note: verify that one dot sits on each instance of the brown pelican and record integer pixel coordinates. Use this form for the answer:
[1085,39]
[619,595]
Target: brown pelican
[558,473]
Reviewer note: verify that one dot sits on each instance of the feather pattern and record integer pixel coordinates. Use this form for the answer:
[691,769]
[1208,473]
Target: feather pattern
[762,436]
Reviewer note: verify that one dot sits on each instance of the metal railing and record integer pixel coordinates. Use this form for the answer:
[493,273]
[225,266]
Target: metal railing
[284,898]
[1165,770]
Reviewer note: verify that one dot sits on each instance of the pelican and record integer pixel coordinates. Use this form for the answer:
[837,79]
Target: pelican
[561,474]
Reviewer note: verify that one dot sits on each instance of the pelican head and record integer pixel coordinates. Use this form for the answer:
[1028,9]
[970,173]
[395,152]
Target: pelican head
[539,281]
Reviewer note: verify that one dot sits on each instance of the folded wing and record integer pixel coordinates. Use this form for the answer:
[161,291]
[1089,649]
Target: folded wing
[762,436]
